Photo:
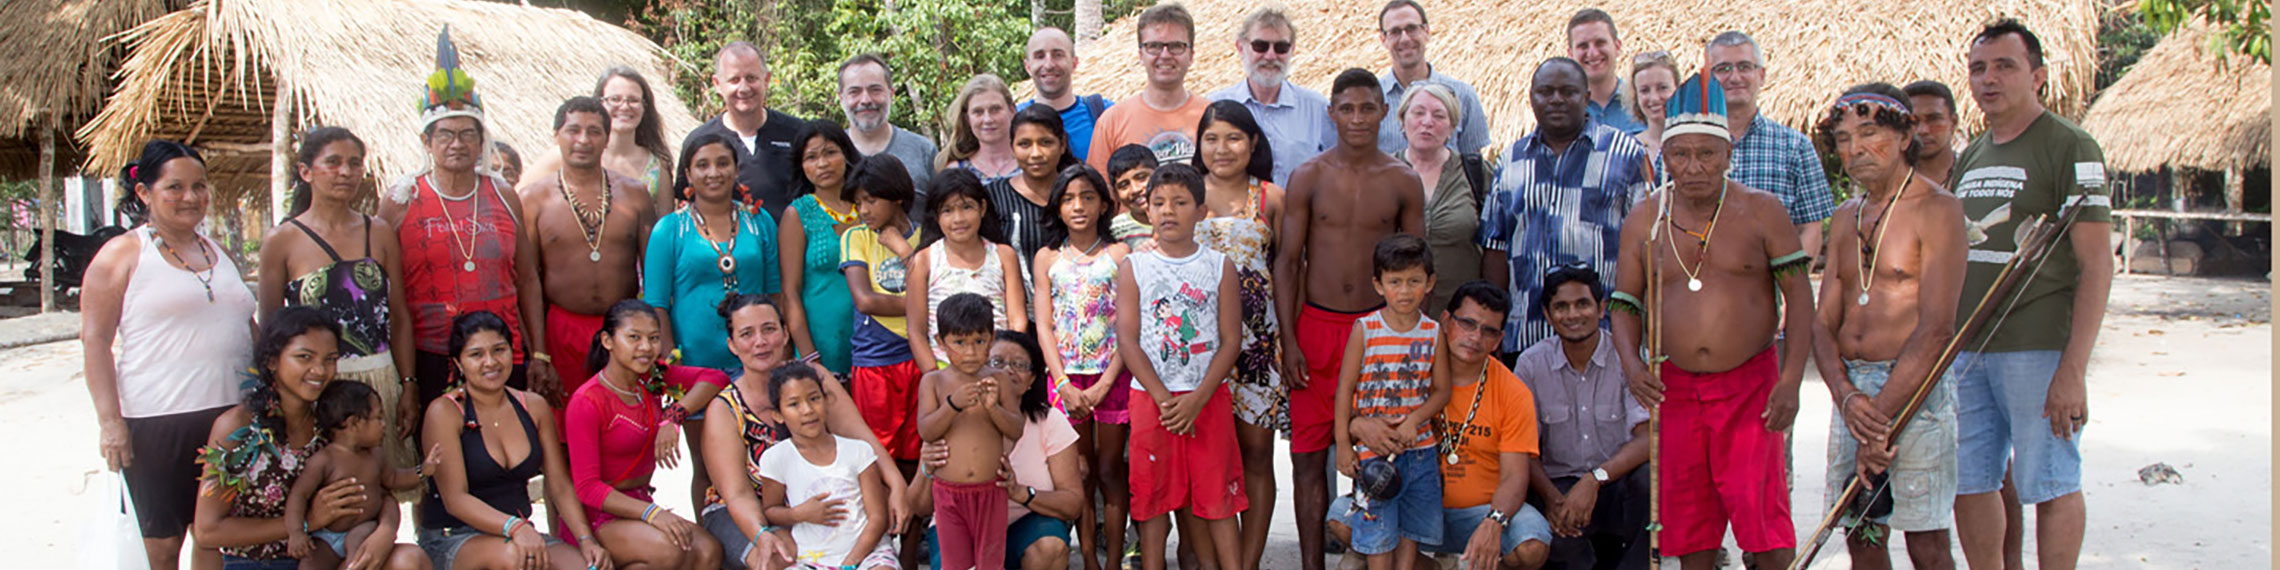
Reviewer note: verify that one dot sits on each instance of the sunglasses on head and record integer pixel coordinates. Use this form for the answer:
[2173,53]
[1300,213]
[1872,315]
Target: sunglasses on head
[1261,46]
[1577,266]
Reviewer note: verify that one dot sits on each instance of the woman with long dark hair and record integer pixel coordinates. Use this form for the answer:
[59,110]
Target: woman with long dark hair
[256,450]
[166,326]
[715,245]
[362,293]
[1244,204]
[1041,147]
[817,304]
[620,427]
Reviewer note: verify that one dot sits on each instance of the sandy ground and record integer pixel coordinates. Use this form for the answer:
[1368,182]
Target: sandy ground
[2182,375]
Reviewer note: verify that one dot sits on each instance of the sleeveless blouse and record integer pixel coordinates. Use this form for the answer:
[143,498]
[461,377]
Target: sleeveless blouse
[1084,312]
[450,235]
[352,292]
[945,280]
[178,349]
[759,434]
[823,291]
[1247,239]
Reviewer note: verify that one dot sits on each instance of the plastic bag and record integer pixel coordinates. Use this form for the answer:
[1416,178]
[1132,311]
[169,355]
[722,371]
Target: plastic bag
[110,538]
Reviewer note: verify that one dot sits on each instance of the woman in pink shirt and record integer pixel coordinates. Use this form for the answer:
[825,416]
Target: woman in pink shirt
[617,434]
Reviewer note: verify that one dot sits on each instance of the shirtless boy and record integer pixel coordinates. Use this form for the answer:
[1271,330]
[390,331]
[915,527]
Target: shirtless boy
[590,227]
[1340,203]
[1896,257]
[1718,251]
[961,405]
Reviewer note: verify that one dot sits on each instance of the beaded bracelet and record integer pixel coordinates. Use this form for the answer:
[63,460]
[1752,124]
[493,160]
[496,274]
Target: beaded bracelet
[649,514]
[508,530]
[675,414]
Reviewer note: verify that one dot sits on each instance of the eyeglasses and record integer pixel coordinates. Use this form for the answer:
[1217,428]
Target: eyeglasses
[1261,46]
[1011,365]
[621,100]
[1469,326]
[1164,48]
[1408,30]
[1736,67]
[470,136]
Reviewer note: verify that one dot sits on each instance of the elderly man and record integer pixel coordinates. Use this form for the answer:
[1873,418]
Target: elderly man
[764,158]
[1887,304]
[1592,41]
[2020,397]
[1164,114]
[1403,30]
[1295,119]
[867,95]
[1934,106]
[1726,396]
[1561,198]
[1766,155]
[1051,60]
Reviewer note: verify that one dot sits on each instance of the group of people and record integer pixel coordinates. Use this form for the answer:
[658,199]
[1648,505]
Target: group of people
[1072,314]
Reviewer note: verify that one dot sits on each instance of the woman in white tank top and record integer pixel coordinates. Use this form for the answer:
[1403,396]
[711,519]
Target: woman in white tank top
[167,327]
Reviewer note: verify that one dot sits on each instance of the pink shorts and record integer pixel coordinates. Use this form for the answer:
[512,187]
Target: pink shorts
[969,523]
[1201,472]
[1719,463]
[1115,408]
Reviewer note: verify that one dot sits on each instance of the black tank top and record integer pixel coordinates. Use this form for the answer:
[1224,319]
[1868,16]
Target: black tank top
[504,489]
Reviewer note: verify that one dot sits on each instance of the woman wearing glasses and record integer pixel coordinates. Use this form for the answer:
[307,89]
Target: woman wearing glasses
[637,146]
[1046,490]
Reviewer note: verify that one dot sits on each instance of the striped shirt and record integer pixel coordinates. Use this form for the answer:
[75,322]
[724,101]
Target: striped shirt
[1778,159]
[1023,222]
[1397,372]
[1552,207]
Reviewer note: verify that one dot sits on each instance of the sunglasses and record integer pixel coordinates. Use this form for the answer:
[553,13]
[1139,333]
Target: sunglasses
[1261,46]
[1577,266]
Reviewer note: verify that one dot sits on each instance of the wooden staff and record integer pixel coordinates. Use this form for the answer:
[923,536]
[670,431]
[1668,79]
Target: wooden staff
[2041,237]
[1654,357]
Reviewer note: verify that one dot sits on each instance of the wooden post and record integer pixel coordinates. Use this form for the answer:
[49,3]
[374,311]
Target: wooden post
[280,152]
[47,216]
[2235,195]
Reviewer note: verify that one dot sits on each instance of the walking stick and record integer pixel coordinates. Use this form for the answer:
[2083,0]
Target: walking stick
[1653,334]
[2042,237]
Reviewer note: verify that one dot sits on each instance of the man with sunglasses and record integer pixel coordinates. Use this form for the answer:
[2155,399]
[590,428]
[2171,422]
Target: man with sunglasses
[1767,155]
[1164,114]
[1295,119]
[1404,32]
[1593,433]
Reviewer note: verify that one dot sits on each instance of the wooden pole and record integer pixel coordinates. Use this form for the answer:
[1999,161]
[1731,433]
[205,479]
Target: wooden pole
[280,152]
[47,216]
[2235,195]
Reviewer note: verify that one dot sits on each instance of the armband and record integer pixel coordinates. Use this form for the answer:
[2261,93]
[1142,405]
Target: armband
[1796,263]
[1624,302]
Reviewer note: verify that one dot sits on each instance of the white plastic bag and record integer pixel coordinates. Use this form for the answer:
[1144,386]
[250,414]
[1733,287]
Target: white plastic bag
[110,538]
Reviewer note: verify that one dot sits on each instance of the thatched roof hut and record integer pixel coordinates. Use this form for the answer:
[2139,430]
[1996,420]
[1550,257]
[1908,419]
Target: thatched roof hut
[1813,49]
[2224,99]
[59,69]
[210,75]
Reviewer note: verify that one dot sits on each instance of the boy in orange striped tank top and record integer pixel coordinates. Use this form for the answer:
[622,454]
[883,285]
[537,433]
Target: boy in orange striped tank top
[1387,398]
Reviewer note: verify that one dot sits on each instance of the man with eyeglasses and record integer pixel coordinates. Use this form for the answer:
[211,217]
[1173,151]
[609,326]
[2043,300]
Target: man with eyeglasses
[764,157]
[867,96]
[1163,115]
[1592,41]
[1561,196]
[1051,60]
[1594,434]
[1404,32]
[1296,120]
[591,227]
[1767,155]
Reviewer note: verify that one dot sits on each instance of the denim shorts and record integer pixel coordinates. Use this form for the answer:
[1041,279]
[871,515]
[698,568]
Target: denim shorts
[1415,514]
[1457,528]
[734,545]
[442,544]
[1922,477]
[1999,420]
[236,563]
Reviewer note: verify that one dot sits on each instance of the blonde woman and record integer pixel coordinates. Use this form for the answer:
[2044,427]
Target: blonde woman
[981,135]
[1653,78]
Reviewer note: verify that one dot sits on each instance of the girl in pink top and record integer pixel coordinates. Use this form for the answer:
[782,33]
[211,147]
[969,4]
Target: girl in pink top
[616,435]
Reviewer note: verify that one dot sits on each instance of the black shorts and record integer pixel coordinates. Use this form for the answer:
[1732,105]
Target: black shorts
[163,476]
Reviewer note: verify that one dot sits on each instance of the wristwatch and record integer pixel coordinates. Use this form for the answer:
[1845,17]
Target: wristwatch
[1502,520]
[1599,474]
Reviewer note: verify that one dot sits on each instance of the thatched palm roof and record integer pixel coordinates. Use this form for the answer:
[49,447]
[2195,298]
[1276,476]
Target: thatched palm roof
[1814,49]
[207,75]
[59,60]
[2222,100]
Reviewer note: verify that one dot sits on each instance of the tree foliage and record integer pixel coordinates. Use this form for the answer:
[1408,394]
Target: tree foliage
[2242,26]
[2123,37]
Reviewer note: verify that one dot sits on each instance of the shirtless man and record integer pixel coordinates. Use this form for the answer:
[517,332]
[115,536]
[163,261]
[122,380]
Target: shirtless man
[1896,257]
[1718,250]
[1341,202]
[590,226]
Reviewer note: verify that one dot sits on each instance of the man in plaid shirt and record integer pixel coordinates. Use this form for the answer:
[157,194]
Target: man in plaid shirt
[1767,155]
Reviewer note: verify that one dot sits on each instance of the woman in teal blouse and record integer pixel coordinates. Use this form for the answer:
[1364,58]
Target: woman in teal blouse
[698,253]
[817,304]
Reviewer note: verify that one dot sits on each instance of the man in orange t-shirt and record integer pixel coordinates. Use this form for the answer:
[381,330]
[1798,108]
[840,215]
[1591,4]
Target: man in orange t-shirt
[1163,115]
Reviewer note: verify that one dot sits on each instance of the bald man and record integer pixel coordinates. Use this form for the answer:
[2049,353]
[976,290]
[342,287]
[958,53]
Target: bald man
[1051,59]
[764,157]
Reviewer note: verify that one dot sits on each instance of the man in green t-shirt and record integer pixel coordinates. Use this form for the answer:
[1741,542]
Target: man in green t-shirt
[2019,383]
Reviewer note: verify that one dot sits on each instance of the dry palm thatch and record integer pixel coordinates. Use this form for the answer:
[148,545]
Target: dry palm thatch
[1813,50]
[207,76]
[59,61]
[2184,82]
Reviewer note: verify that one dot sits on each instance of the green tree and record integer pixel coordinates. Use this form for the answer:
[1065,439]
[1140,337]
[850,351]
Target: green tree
[2241,24]
[2123,37]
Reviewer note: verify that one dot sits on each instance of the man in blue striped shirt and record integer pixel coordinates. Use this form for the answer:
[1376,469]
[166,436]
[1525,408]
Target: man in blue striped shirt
[1560,198]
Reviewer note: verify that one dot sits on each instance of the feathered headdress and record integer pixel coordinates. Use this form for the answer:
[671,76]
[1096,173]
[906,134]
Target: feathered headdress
[450,91]
[1698,108]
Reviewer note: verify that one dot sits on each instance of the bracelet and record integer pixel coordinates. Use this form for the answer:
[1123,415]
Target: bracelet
[1032,491]
[407,380]
[953,404]
[542,357]
[675,414]
[1848,399]
[649,514]
[508,530]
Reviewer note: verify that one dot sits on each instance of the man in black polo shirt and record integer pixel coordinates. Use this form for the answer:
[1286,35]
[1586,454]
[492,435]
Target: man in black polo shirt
[764,159]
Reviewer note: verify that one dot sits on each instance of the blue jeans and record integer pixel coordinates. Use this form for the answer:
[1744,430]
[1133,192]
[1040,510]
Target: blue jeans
[1999,419]
[236,563]
[1415,514]
[1457,529]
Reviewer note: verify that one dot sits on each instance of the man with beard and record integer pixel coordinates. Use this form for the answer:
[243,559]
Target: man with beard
[1051,60]
[1342,202]
[764,158]
[1295,119]
[1561,198]
[591,227]
[1767,155]
[1164,114]
[1404,32]
[1592,41]
[867,95]
[1727,273]
[1887,304]
[1934,106]
[1594,434]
